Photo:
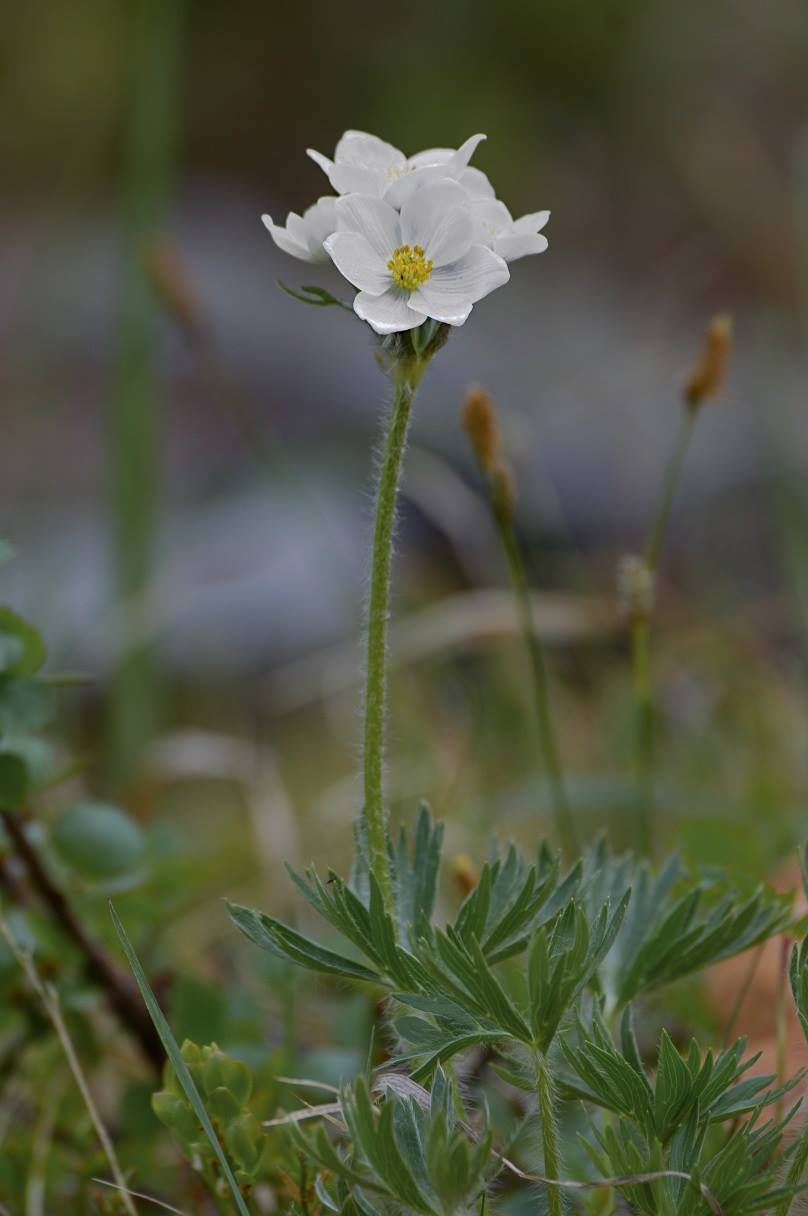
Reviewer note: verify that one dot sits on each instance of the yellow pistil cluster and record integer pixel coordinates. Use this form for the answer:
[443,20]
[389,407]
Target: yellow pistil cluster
[409,267]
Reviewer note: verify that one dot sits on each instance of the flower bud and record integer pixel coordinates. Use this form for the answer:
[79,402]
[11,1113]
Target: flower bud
[176,1115]
[708,376]
[220,1069]
[224,1106]
[245,1140]
[480,423]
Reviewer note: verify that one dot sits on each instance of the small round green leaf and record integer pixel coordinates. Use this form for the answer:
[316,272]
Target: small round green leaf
[22,650]
[98,841]
[13,781]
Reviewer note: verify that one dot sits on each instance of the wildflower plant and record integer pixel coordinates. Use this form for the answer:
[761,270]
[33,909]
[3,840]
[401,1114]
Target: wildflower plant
[528,991]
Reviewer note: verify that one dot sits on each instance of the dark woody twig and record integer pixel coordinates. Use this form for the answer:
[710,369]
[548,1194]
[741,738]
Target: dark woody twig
[118,986]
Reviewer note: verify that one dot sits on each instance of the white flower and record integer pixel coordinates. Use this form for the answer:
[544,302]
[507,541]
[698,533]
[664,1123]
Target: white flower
[365,164]
[510,238]
[423,262]
[304,234]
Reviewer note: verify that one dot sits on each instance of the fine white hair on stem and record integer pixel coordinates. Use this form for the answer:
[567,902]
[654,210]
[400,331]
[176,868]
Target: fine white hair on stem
[51,1004]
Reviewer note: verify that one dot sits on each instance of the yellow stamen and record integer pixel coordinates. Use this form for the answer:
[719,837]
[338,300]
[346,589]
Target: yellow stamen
[409,267]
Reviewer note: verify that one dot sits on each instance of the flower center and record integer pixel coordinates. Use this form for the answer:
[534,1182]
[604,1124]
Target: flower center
[409,267]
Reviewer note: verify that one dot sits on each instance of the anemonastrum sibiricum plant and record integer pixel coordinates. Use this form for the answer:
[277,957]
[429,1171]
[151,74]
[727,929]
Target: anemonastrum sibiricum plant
[422,239]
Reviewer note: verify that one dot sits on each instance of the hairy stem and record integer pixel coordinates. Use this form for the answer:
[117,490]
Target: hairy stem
[565,823]
[641,640]
[549,1132]
[375,814]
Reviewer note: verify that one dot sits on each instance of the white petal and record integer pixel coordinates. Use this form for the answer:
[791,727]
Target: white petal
[355,258]
[454,311]
[533,222]
[374,219]
[285,241]
[402,188]
[465,281]
[490,217]
[452,238]
[321,219]
[512,245]
[423,212]
[358,179]
[476,183]
[464,154]
[360,148]
[389,313]
[431,156]
[325,164]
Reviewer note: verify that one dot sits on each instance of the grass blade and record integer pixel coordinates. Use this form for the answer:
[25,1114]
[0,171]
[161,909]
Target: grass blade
[173,1052]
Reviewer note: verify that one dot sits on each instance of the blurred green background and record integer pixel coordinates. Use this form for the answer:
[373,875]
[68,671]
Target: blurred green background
[187,457]
[188,453]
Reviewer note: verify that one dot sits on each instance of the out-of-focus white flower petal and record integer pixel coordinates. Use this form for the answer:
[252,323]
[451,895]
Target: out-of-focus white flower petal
[325,164]
[513,245]
[463,282]
[374,219]
[476,183]
[389,313]
[401,188]
[360,148]
[432,156]
[358,179]
[356,259]
[422,214]
[285,240]
[531,223]
[490,217]
[321,219]
[464,154]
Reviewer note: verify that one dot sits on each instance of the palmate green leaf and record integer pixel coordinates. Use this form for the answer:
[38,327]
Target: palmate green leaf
[286,943]
[177,1062]
[369,928]
[712,1086]
[675,939]
[511,899]
[416,877]
[377,1142]
[563,959]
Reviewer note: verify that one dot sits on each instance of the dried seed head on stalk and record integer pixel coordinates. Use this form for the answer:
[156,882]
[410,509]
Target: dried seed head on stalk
[635,586]
[707,377]
[480,423]
[503,490]
[172,284]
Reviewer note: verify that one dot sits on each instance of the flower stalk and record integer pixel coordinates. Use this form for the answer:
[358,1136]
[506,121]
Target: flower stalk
[638,575]
[479,421]
[406,374]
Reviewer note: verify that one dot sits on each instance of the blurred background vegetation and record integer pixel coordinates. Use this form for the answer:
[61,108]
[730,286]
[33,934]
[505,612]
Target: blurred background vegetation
[187,454]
